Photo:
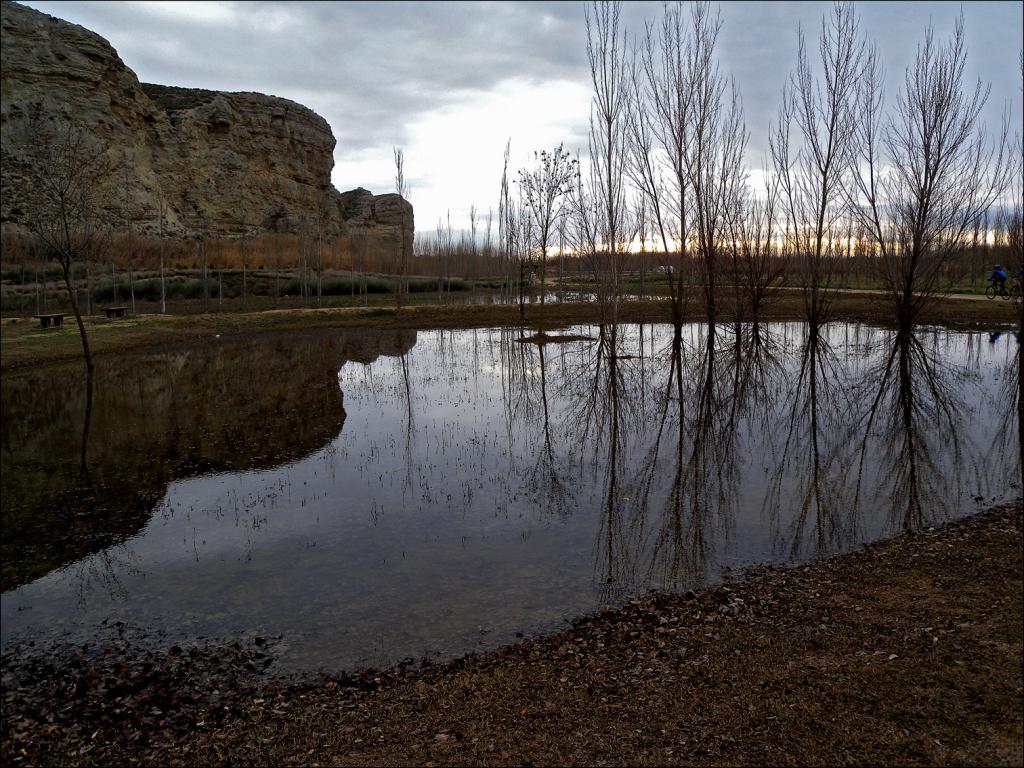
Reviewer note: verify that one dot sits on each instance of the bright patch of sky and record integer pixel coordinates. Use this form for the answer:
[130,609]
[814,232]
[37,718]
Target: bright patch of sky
[456,151]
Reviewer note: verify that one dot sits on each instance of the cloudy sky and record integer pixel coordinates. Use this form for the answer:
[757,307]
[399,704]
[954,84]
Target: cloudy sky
[451,82]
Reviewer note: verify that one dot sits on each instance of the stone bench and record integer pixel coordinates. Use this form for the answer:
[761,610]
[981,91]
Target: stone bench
[56,320]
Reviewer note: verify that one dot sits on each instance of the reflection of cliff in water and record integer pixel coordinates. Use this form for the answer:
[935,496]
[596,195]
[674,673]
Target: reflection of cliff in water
[76,480]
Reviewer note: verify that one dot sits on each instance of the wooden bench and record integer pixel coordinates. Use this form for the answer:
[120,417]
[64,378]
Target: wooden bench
[115,311]
[46,321]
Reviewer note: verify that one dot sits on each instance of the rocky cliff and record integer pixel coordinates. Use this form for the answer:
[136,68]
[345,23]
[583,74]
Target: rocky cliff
[222,163]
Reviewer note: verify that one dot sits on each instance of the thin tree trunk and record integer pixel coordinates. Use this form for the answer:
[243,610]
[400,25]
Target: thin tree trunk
[88,289]
[303,281]
[83,454]
[206,288]
[643,271]
[163,286]
[522,298]
[78,319]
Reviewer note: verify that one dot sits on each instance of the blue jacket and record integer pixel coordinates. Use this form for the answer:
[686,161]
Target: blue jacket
[999,274]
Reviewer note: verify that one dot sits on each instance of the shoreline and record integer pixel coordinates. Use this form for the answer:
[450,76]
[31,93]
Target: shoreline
[908,649]
[23,344]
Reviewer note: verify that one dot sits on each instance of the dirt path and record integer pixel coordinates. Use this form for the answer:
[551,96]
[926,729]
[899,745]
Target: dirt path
[907,651]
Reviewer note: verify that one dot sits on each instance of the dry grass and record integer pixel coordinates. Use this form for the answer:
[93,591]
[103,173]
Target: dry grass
[22,342]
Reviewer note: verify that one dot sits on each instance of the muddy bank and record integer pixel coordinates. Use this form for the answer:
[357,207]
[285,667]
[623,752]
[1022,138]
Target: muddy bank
[24,343]
[905,651]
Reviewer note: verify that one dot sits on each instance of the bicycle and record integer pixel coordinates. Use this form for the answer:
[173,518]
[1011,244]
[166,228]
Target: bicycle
[999,290]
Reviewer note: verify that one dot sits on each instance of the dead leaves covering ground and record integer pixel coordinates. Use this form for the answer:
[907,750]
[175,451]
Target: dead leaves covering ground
[904,652]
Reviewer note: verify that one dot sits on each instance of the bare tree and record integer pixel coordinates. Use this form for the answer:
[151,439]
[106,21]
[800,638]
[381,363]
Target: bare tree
[504,220]
[401,188]
[545,186]
[303,260]
[687,141]
[161,210]
[513,235]
[243,251]
[812,165]
[601,193]
[758,266]
[471,246]
[642,234]
[127,211]
[68,172]
[926,173]
[488,247]
[714,159]
[1012,218]
[658,130]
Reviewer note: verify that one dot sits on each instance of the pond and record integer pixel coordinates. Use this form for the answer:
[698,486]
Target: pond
[373,496]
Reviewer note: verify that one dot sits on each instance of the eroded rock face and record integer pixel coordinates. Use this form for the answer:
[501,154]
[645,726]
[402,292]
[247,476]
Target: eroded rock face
[224,163]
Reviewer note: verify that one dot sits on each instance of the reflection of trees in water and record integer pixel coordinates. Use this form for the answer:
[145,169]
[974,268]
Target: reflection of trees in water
[616,412]
[548,483]
[808,478]
[662,429]
[700,501]
[1005,452]
[599,383]
[657,423]
[516,390]
[1018,398]
[759,376]
[410,426]
[913,425]
[103,573]
[532,377]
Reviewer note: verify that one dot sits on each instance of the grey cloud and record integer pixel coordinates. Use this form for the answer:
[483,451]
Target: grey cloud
[377,65]
[372,68]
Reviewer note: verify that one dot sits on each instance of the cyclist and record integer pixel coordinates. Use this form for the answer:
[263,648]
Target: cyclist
[998,278]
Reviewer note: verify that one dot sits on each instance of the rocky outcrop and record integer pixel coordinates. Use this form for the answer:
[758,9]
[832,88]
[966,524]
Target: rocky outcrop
[221,163]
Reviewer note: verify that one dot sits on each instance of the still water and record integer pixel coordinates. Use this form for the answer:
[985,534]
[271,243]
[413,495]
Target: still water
[372,496]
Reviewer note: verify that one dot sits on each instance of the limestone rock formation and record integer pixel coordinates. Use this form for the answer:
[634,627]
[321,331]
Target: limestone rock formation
[222,163]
